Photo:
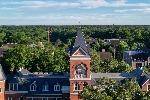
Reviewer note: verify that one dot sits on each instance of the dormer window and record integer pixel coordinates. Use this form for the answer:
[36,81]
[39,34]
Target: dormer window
[80,71]
[33,86]
[57,87]
[45,87]
[13,86]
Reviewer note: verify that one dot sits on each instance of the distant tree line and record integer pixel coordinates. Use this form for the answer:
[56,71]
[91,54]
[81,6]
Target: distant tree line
[62,38]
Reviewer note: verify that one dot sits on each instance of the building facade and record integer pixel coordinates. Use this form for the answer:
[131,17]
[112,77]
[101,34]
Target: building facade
[137,58]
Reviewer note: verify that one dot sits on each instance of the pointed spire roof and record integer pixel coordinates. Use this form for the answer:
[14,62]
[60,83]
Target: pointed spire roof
[80,43]
[2,74]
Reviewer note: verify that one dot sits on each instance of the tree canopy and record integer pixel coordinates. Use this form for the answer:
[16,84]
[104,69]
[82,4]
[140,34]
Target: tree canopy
[108,89]
[37,58]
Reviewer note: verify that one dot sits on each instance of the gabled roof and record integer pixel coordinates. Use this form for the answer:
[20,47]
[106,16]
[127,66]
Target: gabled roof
[143,80]
[2,74]
[24,72]
[80,43]
[137,72]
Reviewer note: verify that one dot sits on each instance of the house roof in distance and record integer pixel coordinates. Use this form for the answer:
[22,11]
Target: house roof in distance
[2,75]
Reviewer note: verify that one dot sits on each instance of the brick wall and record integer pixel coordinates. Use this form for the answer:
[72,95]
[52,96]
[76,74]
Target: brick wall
[2,90]
[145,86]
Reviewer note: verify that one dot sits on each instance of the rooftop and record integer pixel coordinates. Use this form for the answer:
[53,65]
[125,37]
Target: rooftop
[80,43]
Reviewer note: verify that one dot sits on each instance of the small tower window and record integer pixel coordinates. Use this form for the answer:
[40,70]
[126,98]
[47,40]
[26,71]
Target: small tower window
[33,86]
[0,90]
[76,86]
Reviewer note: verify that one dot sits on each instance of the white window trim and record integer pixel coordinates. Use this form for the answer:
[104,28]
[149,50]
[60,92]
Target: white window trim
[78,87]
[33,98]
[13,86]
[10,98]
[55,87]
[33,84]
[78,50]
[44,98]
[147,87]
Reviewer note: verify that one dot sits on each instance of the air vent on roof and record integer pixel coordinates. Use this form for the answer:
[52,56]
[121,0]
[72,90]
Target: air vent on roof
[50,73]
[46,73]
[35,73]
[41,76]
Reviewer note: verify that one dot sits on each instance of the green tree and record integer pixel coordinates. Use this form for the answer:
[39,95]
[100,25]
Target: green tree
[37,58]
[108,89]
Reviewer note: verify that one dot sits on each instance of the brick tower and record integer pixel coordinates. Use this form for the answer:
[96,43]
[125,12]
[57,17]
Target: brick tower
[79,66]
[2,84]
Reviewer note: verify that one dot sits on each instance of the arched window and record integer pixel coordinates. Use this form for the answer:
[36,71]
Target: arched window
[85,84]
[57,87]
[80,71]
[33,86]
[76,86]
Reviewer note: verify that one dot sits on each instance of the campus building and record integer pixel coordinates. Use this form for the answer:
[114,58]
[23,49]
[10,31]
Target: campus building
[137,58]
[24,85]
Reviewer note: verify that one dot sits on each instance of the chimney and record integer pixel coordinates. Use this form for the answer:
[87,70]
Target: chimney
[49,33]
[103,50]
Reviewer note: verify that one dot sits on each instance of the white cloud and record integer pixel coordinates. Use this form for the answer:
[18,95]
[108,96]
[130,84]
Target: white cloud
[89,4]
[62,19]
[46,4]
[145,10]
[93,3]
[127,10]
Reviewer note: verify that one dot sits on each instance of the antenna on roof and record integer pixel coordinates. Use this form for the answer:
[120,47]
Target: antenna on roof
[79,23]
[79,26]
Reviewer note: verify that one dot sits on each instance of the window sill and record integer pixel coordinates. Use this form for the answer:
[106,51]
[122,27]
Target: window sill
[56,90]
[32,90]
[77,90]
[45,90]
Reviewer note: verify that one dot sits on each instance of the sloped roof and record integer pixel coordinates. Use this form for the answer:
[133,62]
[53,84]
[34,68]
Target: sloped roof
[111,75]
[2,74]
[138,73]
[80,43]
[24,82]
[105,55]
[142,80]
[24,72]
[141,56]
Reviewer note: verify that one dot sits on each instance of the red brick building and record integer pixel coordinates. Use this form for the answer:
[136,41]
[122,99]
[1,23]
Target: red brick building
[80,74]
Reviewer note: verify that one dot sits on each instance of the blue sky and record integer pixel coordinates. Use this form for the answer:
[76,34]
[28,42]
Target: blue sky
[68,12]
